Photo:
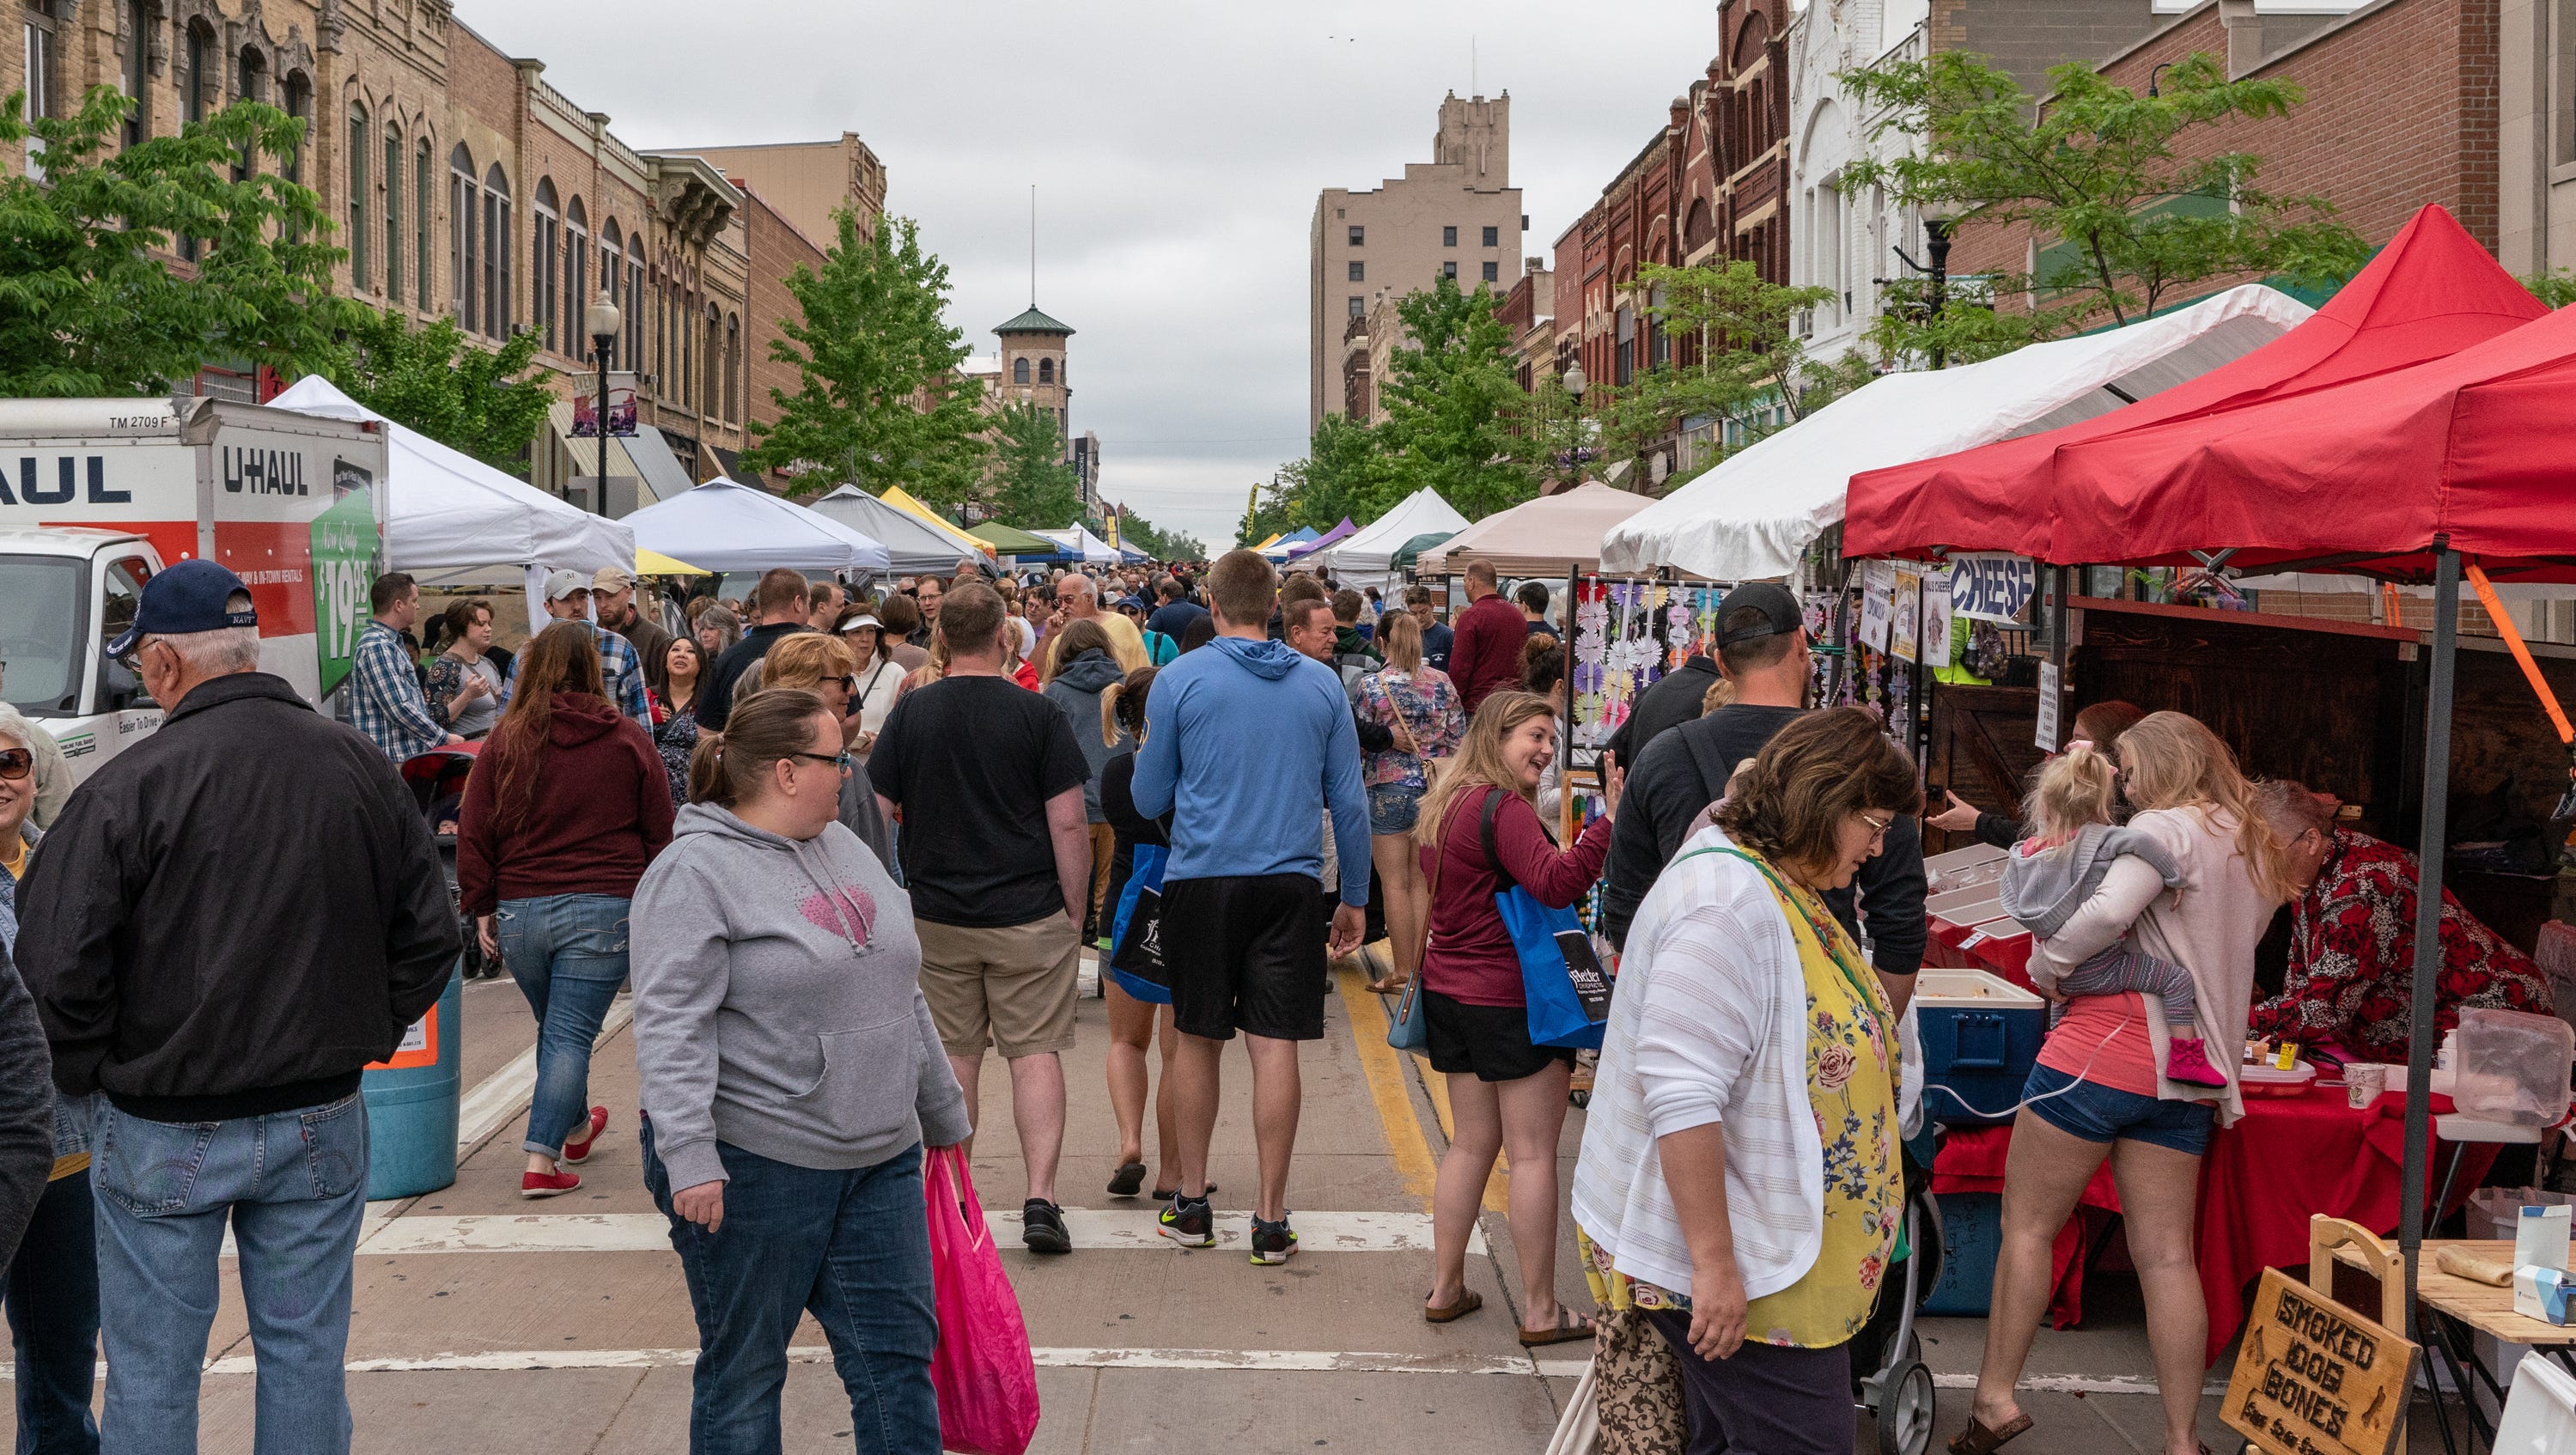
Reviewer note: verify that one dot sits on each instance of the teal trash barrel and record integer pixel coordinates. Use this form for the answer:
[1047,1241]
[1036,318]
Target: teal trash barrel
[411,1103]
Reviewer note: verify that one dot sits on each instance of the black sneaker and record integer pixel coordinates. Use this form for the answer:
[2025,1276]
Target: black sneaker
[1189,1222]
[1042,1227]
[1273,1242]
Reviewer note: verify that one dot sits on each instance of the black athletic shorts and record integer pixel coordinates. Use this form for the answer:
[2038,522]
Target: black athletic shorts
[1489,1042]
[1244,954]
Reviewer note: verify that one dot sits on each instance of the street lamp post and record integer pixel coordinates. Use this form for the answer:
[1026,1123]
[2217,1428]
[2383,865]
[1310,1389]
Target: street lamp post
[603,322]
[1575,384]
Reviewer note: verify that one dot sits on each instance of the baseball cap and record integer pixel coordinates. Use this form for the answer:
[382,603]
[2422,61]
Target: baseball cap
[1780,613]
[188,597]
[561,583]
[609,578]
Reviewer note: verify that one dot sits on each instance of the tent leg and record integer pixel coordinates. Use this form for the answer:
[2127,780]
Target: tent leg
[2428,912]
[1842,638]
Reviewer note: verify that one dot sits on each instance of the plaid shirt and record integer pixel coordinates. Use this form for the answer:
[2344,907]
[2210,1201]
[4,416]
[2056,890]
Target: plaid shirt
[621,675]
[385,700]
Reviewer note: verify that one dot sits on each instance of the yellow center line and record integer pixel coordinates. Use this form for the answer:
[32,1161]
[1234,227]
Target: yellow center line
[1384,1068]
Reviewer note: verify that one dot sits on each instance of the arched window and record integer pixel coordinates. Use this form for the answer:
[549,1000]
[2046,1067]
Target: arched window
[1046,371]
[423,187]
[711,394]
[661,336]
[298,96]
[635,308]
[496,253]
[612,263]
[576,274]
[195,56]
[545,235]
[139,21]
[393,213]
[250,78]
[358,150]
[464,248]
[1019,371]
[688,351]
[733,368]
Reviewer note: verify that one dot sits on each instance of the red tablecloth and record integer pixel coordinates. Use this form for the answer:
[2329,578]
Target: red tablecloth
[2288,1158]
[1949,949]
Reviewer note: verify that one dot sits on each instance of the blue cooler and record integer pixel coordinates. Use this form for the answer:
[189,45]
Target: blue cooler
[412,1100]
[1981,1036]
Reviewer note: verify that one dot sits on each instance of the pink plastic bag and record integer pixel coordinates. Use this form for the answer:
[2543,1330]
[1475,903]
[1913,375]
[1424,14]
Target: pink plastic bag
[986,1380]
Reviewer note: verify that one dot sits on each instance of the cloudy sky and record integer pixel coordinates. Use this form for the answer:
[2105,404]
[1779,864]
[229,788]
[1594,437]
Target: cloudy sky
[1177,149]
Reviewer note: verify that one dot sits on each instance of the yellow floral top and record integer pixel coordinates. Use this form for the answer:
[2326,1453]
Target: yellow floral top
[1851,1083]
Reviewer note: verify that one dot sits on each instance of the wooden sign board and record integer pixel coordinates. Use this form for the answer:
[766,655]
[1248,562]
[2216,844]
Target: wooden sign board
[2315,1377]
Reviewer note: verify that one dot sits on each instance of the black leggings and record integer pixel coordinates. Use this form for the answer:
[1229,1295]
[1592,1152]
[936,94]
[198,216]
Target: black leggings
[1763,1399]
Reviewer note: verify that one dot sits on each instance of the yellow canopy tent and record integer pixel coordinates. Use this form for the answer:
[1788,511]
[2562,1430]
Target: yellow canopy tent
[654,563]
[896,497]
[1274,537]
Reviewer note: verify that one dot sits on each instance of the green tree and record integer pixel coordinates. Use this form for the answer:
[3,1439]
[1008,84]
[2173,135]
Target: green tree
[1273,506]
[2130,217]
[1451,398]
[85,306]
[489,403]
[2557,287]
[1135,530]
[880,402]
[1032,488]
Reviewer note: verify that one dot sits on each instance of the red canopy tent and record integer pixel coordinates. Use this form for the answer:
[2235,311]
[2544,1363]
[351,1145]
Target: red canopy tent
[2430,292]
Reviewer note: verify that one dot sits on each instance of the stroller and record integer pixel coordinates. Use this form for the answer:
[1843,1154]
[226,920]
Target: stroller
[1888,1375]
[437,782]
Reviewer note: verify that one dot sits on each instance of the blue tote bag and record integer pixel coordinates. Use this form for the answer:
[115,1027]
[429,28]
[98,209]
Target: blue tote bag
[1136,932]
[1561,977]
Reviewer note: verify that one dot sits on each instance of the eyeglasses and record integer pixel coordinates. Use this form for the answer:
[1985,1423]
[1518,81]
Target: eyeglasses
[1877,826]
[17,763]
[842,761]
[849,682]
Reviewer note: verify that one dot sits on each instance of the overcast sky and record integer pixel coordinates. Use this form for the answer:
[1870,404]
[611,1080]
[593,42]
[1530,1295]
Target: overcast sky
[1177,149]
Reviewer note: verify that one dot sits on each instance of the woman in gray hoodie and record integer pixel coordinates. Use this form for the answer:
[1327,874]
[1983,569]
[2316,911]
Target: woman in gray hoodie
[791,1078]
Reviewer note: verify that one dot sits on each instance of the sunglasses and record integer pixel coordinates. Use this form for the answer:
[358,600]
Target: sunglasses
[849,682]
[842,761]
[17,763]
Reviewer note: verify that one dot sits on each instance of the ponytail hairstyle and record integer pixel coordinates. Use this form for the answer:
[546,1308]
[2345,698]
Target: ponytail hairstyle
[1122,708]
[771,724]
[562,658]
[2077,787]
[1400,637]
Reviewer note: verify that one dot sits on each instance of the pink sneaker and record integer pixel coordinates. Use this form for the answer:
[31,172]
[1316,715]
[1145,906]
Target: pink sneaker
[2187,1063]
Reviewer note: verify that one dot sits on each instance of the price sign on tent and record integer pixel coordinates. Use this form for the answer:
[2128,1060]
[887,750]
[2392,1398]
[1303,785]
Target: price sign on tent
[1905,617]
[1877,603]
[1992,586]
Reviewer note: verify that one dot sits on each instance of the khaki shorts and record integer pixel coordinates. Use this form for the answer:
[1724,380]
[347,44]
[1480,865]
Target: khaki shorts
[1012,988]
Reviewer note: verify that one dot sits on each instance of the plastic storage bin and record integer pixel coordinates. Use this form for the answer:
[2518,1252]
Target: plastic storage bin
[1980,1035]
[1972,1227]
[412,1103]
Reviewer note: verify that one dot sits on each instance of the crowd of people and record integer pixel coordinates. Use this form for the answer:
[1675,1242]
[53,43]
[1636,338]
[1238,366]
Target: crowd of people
[841,845]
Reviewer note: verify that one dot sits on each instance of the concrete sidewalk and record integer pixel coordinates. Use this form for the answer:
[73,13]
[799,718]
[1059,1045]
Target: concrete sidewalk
[487,1323]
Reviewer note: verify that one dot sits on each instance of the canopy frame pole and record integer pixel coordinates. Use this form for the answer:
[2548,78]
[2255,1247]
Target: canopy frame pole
[1842,637]
[2428,914]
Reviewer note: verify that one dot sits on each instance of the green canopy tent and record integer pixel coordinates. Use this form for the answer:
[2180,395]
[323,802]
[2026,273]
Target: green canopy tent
[1011,541]
[1411,551]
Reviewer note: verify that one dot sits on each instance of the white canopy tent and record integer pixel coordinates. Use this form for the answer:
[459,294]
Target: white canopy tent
[1367,557]
[447,511]
[1093,550]
[1754,515]
[1541,537]
[724,526]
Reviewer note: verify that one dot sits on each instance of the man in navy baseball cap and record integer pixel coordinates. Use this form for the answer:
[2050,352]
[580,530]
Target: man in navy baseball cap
[192,596]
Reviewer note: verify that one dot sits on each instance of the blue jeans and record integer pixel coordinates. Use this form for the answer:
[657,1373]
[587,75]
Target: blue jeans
[2103,1114]
[850,1247]
[568,953]
[52,1291]
[293,1184]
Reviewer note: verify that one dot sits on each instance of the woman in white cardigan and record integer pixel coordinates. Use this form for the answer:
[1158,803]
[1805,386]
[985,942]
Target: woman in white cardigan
[1739,1182]
[2099,1088]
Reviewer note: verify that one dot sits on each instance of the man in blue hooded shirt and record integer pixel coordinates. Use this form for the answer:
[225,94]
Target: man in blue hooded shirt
[1247,745]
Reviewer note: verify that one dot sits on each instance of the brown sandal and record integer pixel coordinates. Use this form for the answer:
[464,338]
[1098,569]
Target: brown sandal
[1469,1300]
[1977,1439]
[1570,1326]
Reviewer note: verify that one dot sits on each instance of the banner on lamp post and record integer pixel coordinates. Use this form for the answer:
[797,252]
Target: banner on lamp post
[621,405]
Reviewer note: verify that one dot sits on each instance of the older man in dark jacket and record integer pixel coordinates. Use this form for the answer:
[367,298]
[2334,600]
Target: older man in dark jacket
[232,918]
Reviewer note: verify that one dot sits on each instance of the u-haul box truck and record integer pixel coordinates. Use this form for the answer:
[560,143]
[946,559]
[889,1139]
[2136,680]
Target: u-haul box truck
[97,494]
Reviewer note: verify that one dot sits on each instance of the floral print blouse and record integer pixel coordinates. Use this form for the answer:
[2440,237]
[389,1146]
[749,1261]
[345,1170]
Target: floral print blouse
[1432,712]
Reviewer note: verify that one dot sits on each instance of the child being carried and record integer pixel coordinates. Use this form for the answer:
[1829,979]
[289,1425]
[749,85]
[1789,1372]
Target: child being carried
[2060,867]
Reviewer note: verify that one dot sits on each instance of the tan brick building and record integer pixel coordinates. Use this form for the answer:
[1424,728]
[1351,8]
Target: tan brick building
[464,185]
[807,181]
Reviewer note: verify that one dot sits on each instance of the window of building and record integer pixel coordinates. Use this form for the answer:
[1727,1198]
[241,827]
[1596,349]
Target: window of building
[1358,305]
[711,389]
[138,70]
[1493,271]
[545,235]
[1359,272]
[192,84]
[1019,371]
[576,275]
[688,354]
[1624,360]
[358,148]
[297,94]
[1449,270]
[423,187]
[1359,235]
[250,79]
[1493,237]
[462,244]
[612,261]
[393,213]
[38,59]
[1046,371]
[1659,340]
[635,307]
[497,310]
[733,367]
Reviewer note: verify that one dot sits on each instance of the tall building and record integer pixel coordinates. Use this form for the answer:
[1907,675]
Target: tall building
[807,181]
[1457,215]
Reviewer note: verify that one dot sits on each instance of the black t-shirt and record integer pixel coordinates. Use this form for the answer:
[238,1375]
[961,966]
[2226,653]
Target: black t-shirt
[972,762]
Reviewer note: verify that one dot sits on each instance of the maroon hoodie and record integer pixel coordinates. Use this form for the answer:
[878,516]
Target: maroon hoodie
[598,810]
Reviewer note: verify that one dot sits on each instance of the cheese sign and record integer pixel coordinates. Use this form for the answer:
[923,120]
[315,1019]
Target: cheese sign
[1992,586]
[2316,1378]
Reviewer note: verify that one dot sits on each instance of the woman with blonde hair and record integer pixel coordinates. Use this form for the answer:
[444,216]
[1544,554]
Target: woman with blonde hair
[2100,1087]
[1405,693]
[827,667]
[1481,835]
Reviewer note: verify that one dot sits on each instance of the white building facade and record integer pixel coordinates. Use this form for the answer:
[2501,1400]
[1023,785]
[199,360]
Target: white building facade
[1844,238]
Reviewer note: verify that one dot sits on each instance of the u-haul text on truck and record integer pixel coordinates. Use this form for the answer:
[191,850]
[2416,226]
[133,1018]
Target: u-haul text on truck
[97,494]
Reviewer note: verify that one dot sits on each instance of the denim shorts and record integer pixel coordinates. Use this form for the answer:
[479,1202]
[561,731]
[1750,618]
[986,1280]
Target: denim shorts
[1393,807]
[2098,1113]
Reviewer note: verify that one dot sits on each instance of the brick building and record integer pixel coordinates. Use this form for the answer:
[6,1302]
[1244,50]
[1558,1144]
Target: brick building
[776,247]
[807,181]
[464,186]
